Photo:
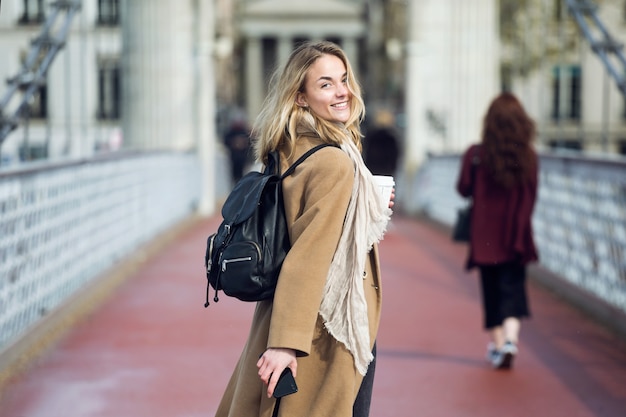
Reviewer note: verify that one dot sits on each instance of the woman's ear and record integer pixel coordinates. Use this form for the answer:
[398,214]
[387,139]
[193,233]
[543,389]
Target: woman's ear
[301,100]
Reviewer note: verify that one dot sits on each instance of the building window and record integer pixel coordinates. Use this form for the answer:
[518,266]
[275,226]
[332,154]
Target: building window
[32,13]
[335,39]
[559,10]
[37,104]
[109,89]
[108,12]
[569,144]
[566,92]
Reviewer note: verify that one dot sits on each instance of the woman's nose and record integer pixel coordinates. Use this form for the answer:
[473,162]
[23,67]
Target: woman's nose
[342,90]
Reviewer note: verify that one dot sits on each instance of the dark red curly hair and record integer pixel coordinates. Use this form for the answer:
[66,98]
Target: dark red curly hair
[508,132]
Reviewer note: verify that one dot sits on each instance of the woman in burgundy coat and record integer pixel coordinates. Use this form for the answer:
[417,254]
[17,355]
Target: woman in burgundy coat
[500,175]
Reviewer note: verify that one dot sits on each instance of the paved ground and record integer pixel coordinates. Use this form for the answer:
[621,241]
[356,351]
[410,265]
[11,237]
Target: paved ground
[152,350]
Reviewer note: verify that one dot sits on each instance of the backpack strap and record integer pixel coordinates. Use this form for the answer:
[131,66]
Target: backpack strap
[300,160]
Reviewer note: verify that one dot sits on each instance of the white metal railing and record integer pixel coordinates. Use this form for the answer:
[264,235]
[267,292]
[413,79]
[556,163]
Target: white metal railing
[61,226]
[579,220]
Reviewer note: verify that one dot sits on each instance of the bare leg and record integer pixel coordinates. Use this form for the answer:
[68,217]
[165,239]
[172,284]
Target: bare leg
[511,329]
[505,338]
[497,336]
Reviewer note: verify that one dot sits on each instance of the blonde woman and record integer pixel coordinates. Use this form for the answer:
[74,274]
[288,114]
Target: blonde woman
[323,320]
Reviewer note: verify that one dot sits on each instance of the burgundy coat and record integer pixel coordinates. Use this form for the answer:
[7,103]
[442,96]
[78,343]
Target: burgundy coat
[501,224]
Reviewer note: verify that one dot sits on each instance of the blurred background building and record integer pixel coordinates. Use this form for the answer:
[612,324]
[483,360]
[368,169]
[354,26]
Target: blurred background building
[438,61]
[77,107]
[548,62]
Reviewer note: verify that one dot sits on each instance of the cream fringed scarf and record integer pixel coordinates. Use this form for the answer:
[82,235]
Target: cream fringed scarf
[344,308]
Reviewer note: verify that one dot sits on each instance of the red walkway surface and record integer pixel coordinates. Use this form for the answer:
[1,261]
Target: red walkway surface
[152,350]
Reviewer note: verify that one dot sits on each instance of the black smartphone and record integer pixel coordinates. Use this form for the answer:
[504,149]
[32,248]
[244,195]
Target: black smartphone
[286,384]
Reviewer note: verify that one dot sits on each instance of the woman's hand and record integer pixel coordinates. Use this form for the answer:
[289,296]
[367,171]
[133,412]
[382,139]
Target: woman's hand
[272,363]
[393,197]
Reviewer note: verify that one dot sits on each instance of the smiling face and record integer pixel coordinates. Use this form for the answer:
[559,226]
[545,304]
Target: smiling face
[326,91]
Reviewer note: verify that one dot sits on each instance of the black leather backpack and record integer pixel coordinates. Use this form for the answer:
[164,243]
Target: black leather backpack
[243,258]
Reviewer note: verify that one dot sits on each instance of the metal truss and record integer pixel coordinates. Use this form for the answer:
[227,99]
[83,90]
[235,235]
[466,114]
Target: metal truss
[32,75]
[602,43]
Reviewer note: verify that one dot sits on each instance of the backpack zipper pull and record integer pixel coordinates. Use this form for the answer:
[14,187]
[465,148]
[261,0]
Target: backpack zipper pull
[225,262]
[208,288]
[216,298]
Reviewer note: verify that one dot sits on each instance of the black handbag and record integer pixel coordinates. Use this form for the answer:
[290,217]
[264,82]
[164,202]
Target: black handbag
[461,231]
[244,257]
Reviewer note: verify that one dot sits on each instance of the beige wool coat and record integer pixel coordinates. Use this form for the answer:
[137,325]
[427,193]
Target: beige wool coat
[316,198]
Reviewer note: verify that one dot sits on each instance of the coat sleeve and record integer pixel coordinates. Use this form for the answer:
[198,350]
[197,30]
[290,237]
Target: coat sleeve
[316,199]
[523,245]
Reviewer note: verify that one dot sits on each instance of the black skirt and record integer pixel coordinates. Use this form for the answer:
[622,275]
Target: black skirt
[503,293]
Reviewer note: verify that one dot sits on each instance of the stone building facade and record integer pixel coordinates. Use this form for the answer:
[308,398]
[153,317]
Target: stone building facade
[435,64]
[78,108]
[565,86]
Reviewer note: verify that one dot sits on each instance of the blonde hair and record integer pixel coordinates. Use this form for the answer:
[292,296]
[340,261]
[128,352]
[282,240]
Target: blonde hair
[280,116]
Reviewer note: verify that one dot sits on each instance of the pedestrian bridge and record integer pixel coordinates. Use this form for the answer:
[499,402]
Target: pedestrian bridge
[102,286]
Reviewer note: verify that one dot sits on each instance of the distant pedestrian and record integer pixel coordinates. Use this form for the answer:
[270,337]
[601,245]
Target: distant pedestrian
[380,146]
[237,141]
[500,175]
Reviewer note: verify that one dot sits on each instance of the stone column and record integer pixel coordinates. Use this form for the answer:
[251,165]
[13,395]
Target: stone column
[285,46]
[157,77]
[474,69]
[254,77]
[452,74]
[351,48]
[416,136]
[205,131]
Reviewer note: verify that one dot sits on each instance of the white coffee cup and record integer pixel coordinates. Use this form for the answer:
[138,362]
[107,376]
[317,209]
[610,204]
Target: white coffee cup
[385,184]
